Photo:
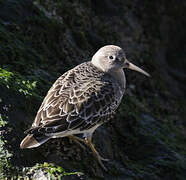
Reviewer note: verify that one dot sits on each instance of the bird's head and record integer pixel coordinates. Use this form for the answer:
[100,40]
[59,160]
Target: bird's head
[112,58]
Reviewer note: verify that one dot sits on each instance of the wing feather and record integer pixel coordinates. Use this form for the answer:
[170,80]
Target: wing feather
[76,102]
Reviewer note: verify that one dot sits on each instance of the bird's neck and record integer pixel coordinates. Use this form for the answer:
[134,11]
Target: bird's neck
[120,77]
[119,74]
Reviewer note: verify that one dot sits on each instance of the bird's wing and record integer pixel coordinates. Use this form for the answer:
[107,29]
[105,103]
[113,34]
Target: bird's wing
[74,103]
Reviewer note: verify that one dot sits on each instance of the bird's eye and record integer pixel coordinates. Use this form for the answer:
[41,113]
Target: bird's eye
[111,57]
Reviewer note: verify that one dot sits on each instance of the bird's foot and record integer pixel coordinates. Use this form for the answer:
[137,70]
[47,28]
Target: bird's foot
[103,159]
[96,154]
[100,159]
[78,141]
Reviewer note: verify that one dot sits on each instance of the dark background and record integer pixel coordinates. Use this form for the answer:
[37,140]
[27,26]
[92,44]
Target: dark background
[40,40]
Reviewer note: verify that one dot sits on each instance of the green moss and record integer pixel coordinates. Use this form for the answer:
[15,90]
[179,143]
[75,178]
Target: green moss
[5,164]
[14,52]
[50,170]
[18,83]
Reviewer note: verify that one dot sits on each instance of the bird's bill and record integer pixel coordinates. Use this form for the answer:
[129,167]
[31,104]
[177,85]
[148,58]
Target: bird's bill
[131,66]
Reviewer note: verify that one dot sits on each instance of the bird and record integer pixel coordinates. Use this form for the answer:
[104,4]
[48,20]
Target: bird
[82,99]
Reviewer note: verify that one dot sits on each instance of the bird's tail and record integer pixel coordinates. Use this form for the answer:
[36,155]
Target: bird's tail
[32,141]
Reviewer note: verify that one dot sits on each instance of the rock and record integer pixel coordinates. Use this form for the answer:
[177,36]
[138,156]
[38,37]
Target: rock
[40,40]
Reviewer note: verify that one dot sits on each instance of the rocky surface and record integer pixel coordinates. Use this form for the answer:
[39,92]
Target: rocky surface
[39,40]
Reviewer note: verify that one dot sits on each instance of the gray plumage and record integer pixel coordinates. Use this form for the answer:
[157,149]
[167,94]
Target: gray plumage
[81,99]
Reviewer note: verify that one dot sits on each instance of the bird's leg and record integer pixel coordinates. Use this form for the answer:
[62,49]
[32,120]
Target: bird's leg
[78,140]
[96,154]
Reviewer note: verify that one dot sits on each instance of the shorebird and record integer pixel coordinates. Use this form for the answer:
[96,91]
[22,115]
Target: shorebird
[82,99]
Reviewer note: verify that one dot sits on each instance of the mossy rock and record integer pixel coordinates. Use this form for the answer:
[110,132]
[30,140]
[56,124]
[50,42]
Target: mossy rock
[41,40]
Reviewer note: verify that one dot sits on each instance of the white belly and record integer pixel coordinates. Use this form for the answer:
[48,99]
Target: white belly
[72,132]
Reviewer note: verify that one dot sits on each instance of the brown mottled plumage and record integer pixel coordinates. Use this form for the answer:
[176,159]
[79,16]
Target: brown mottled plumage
[82,99]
